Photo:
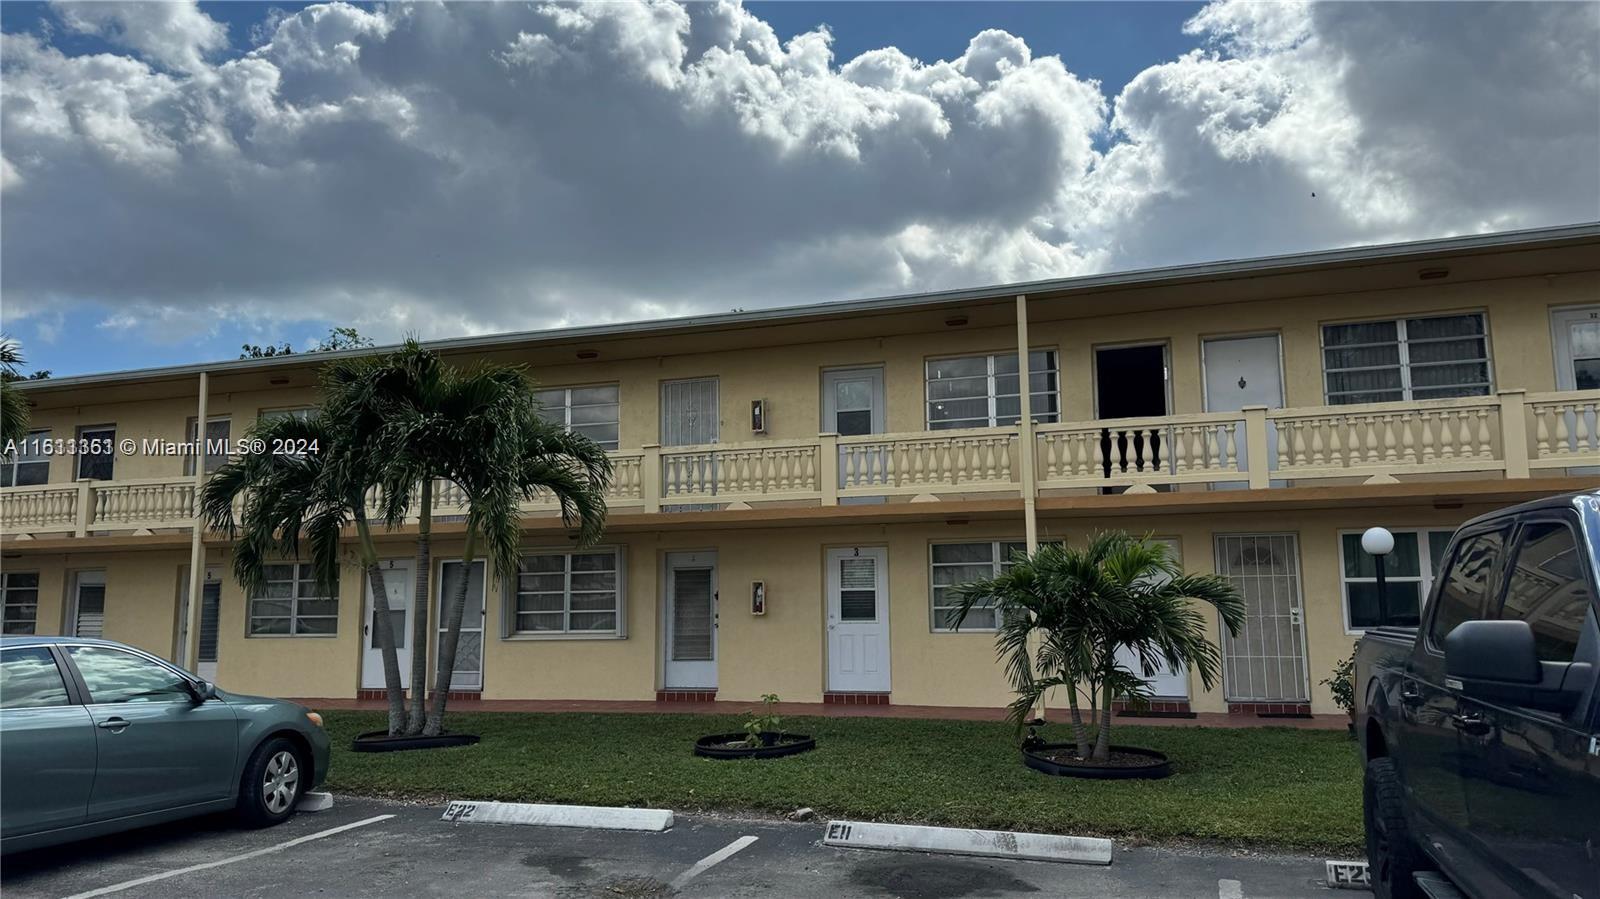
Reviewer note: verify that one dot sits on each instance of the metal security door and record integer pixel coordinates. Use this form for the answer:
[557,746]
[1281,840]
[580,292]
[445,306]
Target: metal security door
[691,622]
[467,673]
[1266,661]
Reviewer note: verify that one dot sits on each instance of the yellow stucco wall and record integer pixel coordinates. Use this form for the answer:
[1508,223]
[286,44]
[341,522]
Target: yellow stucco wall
[781,652]
[789,377]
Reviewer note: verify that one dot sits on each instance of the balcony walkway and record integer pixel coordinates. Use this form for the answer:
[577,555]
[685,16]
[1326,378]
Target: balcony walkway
[1507,439]
[823,710]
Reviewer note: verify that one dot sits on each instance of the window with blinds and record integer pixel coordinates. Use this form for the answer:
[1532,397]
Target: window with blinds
[1437,357]
[593,412]
[21,613]
[985,391]
[858,589]
[28,463]
[692,615]
[291,603]
[576,592]
[954,564]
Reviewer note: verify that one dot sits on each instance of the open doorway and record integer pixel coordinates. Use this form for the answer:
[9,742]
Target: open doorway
[1131,382]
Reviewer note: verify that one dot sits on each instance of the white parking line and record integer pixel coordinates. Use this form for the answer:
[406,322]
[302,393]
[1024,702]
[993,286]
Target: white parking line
[715,858]
[1230,889]
[130,884]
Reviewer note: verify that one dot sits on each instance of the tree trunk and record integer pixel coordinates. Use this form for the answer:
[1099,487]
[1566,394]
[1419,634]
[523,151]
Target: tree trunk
[385,628]
[1080,732]
[1102,740]
[419,610]
[455,606]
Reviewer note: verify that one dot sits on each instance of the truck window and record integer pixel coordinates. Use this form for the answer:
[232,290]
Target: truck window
[1547,589]
[1466,583]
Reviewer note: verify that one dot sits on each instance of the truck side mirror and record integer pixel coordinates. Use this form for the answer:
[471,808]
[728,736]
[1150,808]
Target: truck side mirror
[1498,661]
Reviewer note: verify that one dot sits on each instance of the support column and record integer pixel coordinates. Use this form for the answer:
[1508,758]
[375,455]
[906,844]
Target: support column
[1026,452]
[189,646]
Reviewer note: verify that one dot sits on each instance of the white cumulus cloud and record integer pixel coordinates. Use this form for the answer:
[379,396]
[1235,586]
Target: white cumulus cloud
[454,168]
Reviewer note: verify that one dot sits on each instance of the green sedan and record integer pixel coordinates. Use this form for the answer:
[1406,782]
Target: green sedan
[97,737]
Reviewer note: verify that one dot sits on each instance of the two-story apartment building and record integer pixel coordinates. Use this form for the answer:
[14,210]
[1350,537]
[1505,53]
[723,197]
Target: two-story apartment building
[798,489]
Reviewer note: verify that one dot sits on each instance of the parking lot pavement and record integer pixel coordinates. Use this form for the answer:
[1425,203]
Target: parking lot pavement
[369,848]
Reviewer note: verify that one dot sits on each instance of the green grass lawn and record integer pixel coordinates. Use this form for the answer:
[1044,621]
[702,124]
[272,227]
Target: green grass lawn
[1260,786]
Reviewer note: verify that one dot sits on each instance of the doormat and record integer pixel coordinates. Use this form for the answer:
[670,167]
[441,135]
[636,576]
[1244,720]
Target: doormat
[1301,715]
[1133,713]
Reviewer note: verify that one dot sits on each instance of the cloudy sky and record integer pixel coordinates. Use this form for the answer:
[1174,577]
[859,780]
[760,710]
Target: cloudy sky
[178,179]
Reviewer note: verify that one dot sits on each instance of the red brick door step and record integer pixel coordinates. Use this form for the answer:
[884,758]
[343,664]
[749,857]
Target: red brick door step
[686,696]
[455,695]
[843,698]
[1271,709]
[1155,708]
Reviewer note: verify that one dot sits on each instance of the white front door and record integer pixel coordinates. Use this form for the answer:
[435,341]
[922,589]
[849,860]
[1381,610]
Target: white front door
[1577,343]
[1576,333]
[88,618]
[1240,372]
[858,619]
[397,586]
[1167,682]
[852,406]
[468,672]
[210,614]
[691,622]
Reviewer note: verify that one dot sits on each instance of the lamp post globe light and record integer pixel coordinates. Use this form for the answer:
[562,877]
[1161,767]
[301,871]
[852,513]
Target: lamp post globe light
[1378,543]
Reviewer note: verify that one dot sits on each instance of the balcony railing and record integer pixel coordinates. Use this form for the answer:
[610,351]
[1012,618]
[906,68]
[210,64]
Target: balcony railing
[1511,435]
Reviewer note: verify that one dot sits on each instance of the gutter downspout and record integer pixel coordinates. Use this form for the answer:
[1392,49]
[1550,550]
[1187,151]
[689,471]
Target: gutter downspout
[189,646]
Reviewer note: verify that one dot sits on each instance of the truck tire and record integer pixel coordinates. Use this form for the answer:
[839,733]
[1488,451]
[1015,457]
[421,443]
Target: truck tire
[273,782]
[1393,857]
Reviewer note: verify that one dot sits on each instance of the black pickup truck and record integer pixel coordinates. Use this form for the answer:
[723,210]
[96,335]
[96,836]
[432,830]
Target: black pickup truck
[1478,728]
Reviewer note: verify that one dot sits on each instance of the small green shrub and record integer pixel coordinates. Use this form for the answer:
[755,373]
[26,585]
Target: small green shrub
[766,720]
[1342,684]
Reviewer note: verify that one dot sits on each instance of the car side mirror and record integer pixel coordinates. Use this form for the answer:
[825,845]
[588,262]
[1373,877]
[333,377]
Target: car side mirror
[1498,661]
[202,690]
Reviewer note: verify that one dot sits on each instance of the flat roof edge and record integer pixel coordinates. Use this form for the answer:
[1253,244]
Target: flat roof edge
[1215,270]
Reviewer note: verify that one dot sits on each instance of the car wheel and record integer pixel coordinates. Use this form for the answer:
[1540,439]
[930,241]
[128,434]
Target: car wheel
[273,781]
[1392,855]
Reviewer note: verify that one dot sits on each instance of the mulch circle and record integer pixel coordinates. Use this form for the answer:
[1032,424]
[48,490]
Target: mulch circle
[774,745]
[1125,762]
[380,741]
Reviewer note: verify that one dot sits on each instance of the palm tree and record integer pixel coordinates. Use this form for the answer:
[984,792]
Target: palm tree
[293,500]
[1086,604]
[504,453]
[14,412]
[392,404]
[479,430]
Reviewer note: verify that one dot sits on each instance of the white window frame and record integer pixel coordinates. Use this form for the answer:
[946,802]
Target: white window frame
[1404,344]
[39,438]
[508,597]
[1424,578]
[566,407]
[83,432]
[192,437]
[997,563]
[989,387]
[300,412]
[6,601]
[294,599]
